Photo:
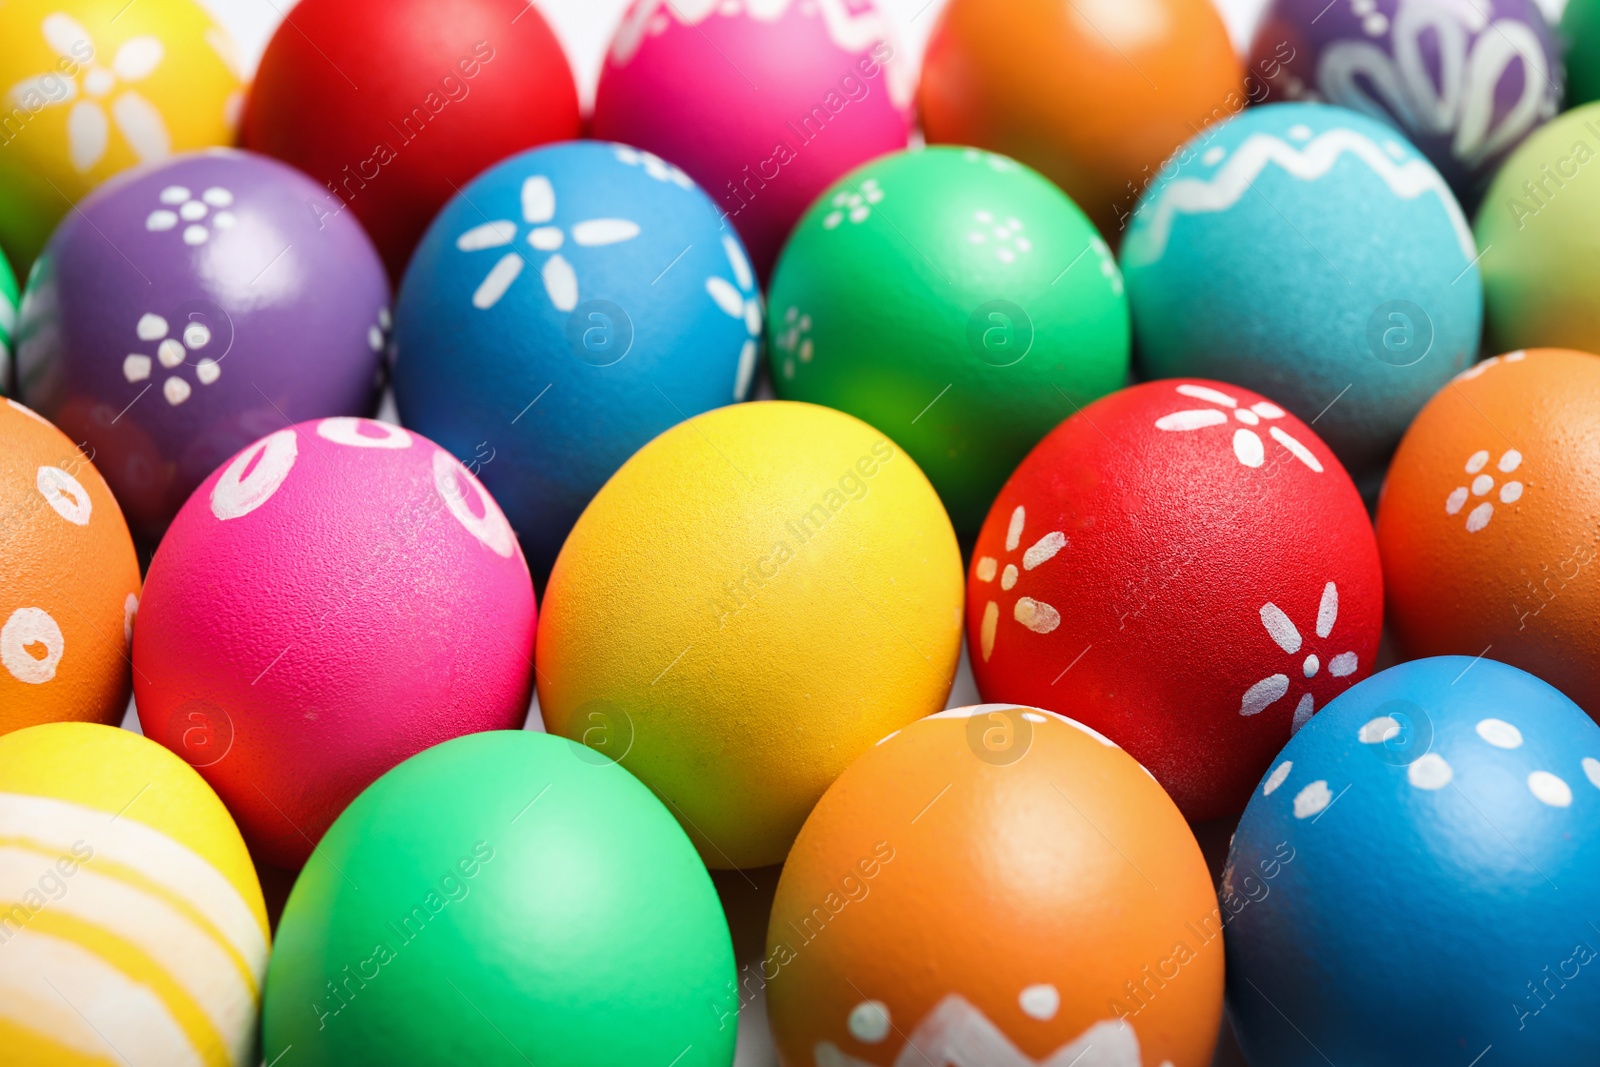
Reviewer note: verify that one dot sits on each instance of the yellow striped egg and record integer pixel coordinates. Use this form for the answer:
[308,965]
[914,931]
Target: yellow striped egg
[132,928]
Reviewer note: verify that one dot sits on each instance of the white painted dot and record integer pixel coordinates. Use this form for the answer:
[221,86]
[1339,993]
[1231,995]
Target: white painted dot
[1510,461]
[385,320]
[1549,789]
[135,367]
[1482,484]
[1379,730]
[869,1021]
[1479,517]
[1040,1001]
[176,390]
[223,220]
[130,611]
[1248,417]
[217,196]
[174,194]
[196,335]
[254,475]
[1311,666]
[1375,24]
[170,353]
[986,568]
[1276,778]
[193,211]
[65,494]
[1476,461]
[1312,800]
[1008,577]
[1213,156]
[1456,500]
[374,338]
[1500,733]
[1300,132]
[1511,492]
[1429,771]
[160,220]
[151,327]
[25,630]
[195,234]
[1591,770]
[1014,531]
[207,370]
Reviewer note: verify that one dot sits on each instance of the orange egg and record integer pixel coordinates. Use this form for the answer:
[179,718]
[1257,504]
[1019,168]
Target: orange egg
[69,586]
[994,886]
[1487,524]
[1096,94]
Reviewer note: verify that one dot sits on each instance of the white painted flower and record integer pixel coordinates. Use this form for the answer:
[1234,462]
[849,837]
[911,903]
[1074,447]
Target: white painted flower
[1247,443]
[853,204]
[795,341]
[653,165]
[1286,635]
[171,353]
[199,216]
[1005,237]
[1481,485]
[538,212]
[741,300]
[95,89]
[1039,617]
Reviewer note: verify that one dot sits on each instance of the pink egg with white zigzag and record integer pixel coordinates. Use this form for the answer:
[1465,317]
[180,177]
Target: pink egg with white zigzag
[333,599]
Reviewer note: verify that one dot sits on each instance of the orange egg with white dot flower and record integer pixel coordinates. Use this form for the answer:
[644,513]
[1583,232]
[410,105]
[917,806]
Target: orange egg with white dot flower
[995,886]
[1487,521]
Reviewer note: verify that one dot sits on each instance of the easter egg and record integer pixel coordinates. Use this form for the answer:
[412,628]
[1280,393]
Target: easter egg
[393,105]
[1580,33]
[507,898]
[1464,82]
[1309,253]
[1185,567]
[8,323]
[1416,878]
[131,923]
[1538,227]
[1096,94]
[995,885]
[70,586]
[765,103]
[599,301]
[335,598]
[1486,538]
[183,311]
[957,300]
[749,603]
[93,87]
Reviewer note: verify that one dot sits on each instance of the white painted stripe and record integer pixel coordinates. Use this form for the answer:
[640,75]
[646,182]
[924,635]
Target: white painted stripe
[56,825]
[92,1007]
[189,955]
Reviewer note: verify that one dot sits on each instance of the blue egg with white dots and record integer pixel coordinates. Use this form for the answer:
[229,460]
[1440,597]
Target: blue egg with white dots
[1416,880]
[1313,255]
[564,308]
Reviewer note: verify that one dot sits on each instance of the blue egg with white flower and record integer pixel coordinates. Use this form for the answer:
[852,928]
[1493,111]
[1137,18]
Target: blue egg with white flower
[564,308]
[1313,255]
[1416,880]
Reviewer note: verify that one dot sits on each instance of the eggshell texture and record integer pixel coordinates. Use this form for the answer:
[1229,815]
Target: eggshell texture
[410,99]
[337,597]
[1464,83]
[757,596]
[1416,879]
[185,310]
[957,299]
[763,102]
[503,898]
[98,86]
[994,885]
[1186,568]
[1307,252]
[8,323]
[568,306]
[1539,227]
[131,923]
[1096,94]
[1487,539]
[69,587]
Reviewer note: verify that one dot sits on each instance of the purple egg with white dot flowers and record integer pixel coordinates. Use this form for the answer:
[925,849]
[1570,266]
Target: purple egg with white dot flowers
[1465,82]
[1416,879]
[184,310]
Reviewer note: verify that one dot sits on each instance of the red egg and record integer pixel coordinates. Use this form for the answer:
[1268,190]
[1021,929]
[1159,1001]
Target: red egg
[1185,567]
[395,104]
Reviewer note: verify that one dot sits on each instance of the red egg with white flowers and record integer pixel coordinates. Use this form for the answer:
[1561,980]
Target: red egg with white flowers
[1185,567]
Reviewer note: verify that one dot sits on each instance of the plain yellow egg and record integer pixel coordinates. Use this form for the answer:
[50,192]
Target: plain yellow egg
[754,599]
[132,927]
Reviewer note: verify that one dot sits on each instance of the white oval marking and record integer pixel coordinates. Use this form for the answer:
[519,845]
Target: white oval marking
[869,1021]
[1429,771]
[1276,778]
[31,626]
[65,494]
[492,528]
[1040,1001]
[1313,799]
[1550,789]
[236,494]
[344,430]
[1500,733]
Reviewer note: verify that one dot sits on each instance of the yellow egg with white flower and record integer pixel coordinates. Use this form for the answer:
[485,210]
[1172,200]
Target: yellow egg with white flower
[754,599]
[89,88]
[132,927]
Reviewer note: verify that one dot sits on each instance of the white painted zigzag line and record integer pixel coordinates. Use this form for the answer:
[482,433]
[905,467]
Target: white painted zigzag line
[1194,196]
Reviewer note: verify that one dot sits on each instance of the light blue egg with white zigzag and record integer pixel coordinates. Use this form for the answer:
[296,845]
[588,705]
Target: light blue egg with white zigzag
[568,305]
[1315,256]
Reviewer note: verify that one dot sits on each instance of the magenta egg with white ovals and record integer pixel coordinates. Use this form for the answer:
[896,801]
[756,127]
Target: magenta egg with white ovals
[765,103]
[337,597]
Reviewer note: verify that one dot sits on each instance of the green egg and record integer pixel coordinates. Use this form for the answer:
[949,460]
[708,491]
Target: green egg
[503,898]
[1538,233]
[8,323]
[957,301]
[1580,30]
